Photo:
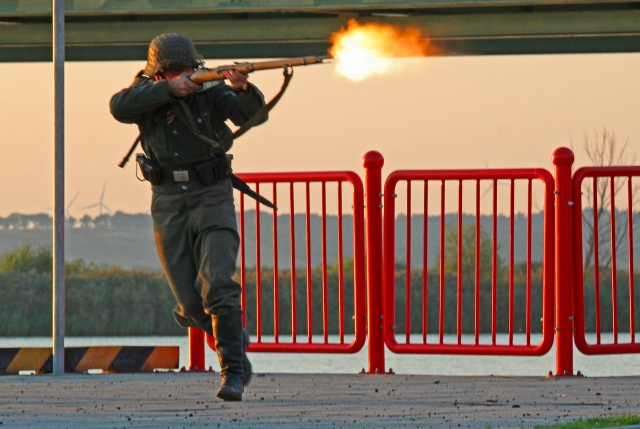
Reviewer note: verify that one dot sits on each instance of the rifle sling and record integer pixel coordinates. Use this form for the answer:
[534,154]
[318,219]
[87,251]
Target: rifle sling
[186,117]
[287,73]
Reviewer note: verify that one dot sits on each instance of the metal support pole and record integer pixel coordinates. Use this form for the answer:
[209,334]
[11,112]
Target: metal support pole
[564,325]
[373,162]
[58,203]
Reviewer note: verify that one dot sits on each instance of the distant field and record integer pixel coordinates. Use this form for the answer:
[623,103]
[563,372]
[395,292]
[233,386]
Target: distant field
[127,248]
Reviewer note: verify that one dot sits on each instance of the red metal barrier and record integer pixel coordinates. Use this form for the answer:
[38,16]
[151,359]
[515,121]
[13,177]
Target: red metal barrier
[318,300]
[442,308]
[607,224]
[462,297]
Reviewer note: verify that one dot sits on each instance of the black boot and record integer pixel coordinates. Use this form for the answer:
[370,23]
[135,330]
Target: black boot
[227,330]
[246,365]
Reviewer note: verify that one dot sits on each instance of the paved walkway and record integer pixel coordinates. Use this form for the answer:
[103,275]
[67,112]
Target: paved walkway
[187,400]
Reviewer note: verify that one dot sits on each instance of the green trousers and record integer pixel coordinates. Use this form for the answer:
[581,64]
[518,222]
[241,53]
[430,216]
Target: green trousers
[197,241]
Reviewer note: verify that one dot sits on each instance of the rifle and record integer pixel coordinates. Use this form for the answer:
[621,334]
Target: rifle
[204,74]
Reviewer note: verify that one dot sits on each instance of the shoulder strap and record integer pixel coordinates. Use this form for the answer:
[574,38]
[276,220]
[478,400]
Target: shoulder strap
[206,110]
[184,114]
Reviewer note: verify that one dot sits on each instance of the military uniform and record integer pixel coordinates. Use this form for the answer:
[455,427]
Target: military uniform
[192,203]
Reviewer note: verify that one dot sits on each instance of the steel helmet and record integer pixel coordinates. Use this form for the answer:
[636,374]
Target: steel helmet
[171,51]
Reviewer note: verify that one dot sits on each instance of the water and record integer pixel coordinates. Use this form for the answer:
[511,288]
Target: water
[458,365]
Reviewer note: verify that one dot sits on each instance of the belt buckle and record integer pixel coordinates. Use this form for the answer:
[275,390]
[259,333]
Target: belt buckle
[180,175]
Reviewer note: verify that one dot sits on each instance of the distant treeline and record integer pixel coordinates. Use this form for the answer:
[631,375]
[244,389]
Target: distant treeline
[18,221]
[117,302]
[131,235]
[126,240]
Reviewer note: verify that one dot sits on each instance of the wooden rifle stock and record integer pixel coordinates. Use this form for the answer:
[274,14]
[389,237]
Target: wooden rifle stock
[204,75]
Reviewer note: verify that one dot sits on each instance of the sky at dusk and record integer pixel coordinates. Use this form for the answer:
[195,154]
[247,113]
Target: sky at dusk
[439,112]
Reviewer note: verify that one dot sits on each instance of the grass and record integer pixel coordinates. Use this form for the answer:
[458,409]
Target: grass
[598,422]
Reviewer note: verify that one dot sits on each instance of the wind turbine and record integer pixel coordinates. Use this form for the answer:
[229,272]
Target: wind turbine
[100,204]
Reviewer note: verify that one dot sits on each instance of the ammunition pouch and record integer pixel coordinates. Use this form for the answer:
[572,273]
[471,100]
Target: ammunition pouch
[213,170]
[149,169]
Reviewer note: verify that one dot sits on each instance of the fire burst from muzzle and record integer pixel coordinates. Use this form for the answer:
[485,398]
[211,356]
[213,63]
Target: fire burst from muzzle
[369,49]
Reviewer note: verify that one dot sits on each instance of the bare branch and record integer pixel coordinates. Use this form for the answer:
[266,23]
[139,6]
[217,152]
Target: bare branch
[603,150]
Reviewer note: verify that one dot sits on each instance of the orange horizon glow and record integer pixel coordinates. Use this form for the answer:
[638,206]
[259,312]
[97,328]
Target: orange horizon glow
[364,50]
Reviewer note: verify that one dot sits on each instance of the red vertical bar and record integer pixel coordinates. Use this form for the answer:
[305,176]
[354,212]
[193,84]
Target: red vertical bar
[529,237]
[360,285]
[442,261]
[258,272]
[614,268]
[292,244]
[476,323]
[276,308]
[632,323]
[596,261]
[387,302]
[408,268]
[243,262]
[340,267]
[459,283]
[373,162]
[309,268]
[512,233]
[196,349]
[494,265]
[425,264]
[325,286]
[563,160]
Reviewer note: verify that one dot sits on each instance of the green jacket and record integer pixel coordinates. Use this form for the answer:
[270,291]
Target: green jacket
[167,138]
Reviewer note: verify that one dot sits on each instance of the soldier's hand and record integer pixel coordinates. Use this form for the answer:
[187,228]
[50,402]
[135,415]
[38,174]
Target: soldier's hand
[238,81]
[181,85]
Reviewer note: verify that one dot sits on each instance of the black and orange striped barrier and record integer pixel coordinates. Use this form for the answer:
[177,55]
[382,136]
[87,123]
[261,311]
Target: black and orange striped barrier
[83,359]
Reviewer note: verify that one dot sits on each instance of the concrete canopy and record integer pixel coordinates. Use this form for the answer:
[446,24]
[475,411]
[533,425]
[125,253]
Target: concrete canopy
[106,30]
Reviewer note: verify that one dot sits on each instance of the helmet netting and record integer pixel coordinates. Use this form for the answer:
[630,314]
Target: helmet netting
[171,51]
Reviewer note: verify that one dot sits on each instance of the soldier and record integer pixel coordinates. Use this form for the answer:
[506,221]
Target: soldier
[183,129]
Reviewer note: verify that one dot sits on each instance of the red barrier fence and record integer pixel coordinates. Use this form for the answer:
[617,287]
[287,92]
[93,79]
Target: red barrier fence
[459,292]
[604,227]
[454,290]
[313,302]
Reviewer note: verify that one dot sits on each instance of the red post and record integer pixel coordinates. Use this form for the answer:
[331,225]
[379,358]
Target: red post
[196,349]
[564,325]
[373,162]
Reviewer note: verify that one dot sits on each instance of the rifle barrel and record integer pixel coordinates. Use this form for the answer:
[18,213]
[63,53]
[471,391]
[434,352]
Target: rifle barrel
[204,75]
